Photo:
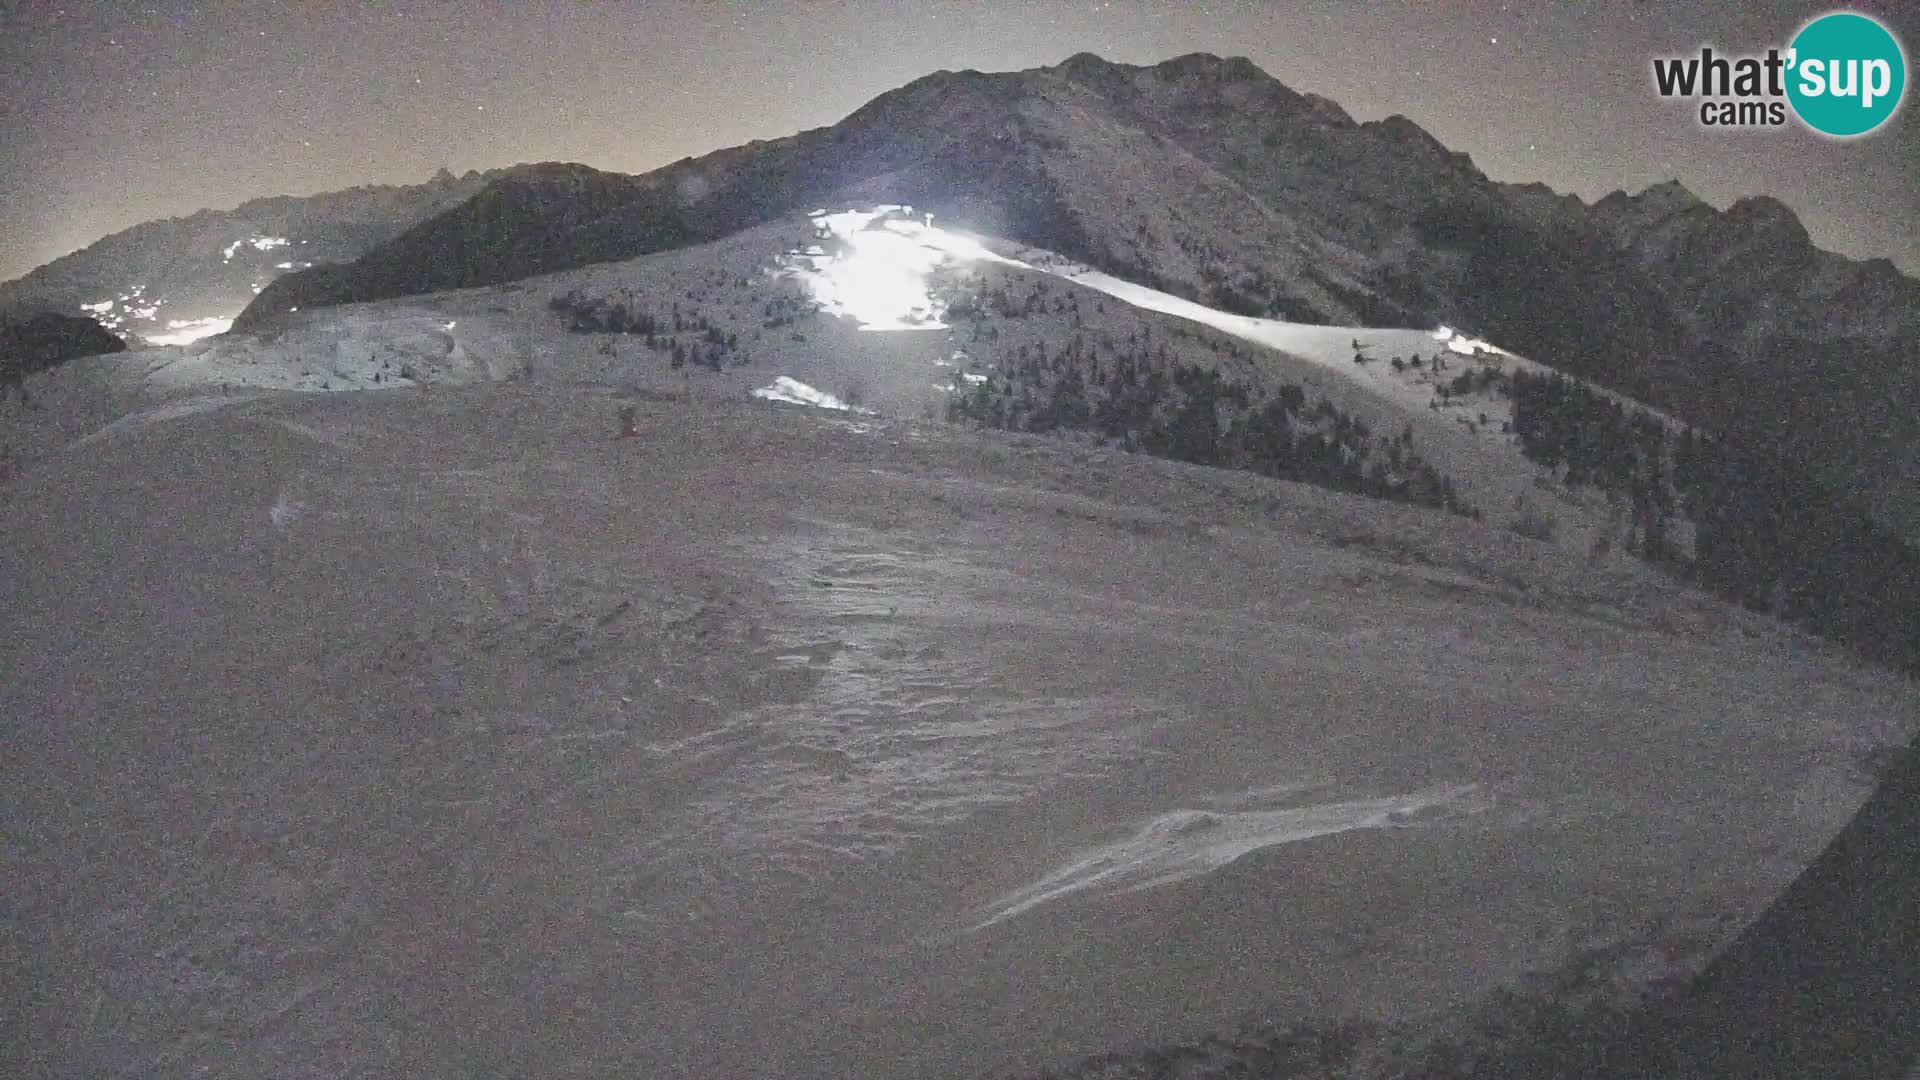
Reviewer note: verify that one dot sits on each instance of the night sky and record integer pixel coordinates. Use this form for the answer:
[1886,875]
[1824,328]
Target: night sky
[113,113]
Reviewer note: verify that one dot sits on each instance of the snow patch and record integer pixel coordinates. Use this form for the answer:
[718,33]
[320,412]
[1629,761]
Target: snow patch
[351,349]
[259,243]
[794,392]
[184,331]
[1455,341]
[285,508]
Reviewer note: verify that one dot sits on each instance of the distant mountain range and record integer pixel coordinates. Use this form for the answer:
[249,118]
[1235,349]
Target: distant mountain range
[1201,176]
[160,277]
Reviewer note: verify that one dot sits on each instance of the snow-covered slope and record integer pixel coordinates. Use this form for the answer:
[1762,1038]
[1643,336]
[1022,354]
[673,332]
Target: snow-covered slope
[1028,744]
[1396,377]
[1206,178]
[447,732]
[852,307]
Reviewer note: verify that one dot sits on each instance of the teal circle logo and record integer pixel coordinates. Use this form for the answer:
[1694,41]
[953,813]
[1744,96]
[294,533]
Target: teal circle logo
[1846,74]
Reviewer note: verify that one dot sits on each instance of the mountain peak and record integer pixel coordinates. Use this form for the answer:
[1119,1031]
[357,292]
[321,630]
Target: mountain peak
[1085,61]
[1766,212]
[1672,194]
[1104,76]
[1419,144]
[1666,199]
[1207,65]
[1191,65]
[1401,127]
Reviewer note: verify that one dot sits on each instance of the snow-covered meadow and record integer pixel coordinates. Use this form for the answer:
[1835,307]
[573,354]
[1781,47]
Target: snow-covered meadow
[450,731]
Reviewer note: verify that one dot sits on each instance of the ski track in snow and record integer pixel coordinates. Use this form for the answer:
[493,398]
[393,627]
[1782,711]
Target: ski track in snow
[1186,843]
[904,734]
[898,739]
[907,734]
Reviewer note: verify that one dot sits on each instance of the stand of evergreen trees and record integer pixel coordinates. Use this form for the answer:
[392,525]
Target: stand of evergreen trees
[1599,442]
[1145,401]
[703,344]
[1767,535]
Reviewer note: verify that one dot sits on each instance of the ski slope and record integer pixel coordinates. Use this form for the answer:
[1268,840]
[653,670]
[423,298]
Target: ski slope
[762,743]
[1015,742]
[870,288]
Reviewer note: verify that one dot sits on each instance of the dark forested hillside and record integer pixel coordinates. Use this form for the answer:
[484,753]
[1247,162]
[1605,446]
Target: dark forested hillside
[38,342]
[1138,394]
[1767,533]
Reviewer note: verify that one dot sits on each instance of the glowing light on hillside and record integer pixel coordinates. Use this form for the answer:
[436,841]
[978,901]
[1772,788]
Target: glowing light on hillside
[1465,346]
[183,331]
[873,266]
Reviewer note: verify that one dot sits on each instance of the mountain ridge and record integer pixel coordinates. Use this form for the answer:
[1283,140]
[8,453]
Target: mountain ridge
[206,265]
[1210,179]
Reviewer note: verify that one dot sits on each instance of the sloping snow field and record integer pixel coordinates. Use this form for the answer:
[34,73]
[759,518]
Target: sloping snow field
[449,733]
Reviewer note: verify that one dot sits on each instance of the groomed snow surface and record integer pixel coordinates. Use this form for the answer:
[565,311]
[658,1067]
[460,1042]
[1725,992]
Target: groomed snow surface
[450,733]
[694,753]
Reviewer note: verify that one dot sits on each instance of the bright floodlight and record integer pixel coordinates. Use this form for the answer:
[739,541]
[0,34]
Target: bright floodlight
[877,270]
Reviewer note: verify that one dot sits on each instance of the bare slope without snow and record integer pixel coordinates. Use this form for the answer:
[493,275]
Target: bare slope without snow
[446,733]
